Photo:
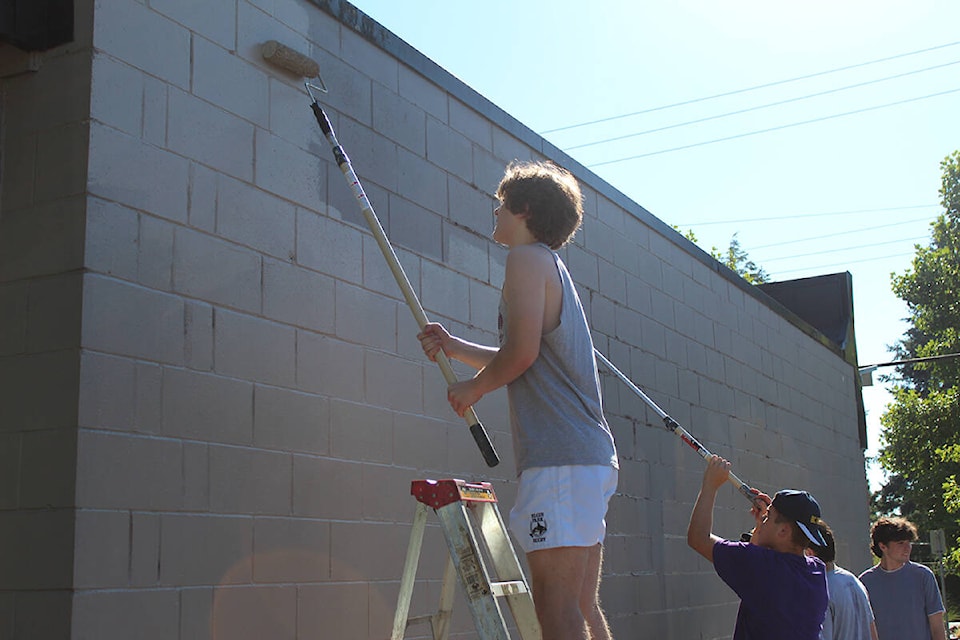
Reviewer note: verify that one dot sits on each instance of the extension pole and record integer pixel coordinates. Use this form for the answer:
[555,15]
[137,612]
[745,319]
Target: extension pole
[476,428]
[674,426]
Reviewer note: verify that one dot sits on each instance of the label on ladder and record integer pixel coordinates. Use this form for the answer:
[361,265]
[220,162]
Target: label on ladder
[440,493]
[474,581]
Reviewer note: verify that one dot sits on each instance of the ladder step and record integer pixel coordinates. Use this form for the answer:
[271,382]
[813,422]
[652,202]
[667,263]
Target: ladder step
[508,588]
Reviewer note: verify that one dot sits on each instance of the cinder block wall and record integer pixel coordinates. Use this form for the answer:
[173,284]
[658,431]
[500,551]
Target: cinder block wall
[44,124]
[212,398]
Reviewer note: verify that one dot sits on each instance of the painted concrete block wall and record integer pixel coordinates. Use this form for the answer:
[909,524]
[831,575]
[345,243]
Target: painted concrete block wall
[241,402]
[43,145]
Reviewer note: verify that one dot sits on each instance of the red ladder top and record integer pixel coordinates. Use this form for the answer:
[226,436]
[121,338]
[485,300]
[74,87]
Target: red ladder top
[440,493]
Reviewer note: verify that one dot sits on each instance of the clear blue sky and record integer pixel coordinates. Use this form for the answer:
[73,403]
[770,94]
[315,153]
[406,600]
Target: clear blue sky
[557,63]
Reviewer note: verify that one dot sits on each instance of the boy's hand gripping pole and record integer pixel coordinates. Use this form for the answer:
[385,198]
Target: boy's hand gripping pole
[672,425]
[476,428]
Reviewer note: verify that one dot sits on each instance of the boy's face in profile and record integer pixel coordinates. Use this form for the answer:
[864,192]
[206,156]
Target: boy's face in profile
[508,227]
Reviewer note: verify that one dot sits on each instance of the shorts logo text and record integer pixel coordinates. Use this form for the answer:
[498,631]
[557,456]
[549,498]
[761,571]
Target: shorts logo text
[538,527]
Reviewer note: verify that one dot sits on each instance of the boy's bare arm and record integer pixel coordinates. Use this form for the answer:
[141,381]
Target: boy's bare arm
[435,338]
[699,532]
[524,290]
[476,355]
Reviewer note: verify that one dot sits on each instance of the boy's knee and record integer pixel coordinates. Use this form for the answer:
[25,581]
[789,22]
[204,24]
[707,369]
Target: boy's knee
[558,615]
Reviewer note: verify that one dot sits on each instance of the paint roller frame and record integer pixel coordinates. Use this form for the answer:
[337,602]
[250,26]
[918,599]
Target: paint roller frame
[296,63]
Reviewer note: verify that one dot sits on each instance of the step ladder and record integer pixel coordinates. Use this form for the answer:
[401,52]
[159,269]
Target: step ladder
[468,516]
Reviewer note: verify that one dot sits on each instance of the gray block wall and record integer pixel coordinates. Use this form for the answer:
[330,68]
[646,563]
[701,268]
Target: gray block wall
[212,401]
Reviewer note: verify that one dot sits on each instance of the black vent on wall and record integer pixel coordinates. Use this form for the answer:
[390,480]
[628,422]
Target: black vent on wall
[36,25]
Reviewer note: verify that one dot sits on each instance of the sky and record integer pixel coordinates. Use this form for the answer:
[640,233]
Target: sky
[813,131]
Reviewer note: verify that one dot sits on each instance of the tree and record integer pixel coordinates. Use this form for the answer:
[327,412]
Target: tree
[917,429]
[932,289]
[735,259]
[951,492]
[689,235]
[921,427]
[738,261]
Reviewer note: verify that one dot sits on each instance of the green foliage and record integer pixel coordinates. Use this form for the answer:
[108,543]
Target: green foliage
[931,289]
[950,454]
[921,427]
[738,261]
[916,429]
[734,258]
[689,235]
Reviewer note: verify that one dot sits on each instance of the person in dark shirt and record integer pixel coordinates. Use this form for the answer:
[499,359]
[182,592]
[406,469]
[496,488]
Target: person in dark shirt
[783,591]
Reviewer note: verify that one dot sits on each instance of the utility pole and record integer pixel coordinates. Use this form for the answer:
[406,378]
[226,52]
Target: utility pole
[938,548]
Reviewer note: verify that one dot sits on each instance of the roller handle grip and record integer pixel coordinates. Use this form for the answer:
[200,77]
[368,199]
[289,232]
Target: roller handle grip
[321,117]
[476,428]
[483,443]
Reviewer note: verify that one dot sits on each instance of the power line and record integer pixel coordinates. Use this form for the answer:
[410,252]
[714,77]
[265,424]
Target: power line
[759,107]
[844,264]
[894,363]
[838,233]
[807,215]
[862,246]
[753,88]
[778,128]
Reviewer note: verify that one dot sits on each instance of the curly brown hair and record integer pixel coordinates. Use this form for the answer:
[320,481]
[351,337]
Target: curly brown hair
[890,529]
[549,195]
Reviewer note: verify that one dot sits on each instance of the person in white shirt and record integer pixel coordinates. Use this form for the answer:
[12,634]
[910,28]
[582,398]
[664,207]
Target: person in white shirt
[849,615]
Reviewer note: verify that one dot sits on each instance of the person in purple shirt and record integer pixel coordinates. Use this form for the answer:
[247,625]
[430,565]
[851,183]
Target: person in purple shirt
[783,592]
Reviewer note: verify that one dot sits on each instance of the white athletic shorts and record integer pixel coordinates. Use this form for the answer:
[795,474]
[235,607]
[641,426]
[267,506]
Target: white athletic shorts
[562,506]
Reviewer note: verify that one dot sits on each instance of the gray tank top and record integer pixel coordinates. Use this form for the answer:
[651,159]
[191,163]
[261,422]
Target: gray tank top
[556,411]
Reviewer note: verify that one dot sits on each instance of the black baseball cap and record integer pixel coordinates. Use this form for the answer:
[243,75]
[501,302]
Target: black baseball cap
[802,508]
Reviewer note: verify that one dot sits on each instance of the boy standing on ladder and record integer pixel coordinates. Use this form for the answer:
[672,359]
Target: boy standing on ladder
[566,457]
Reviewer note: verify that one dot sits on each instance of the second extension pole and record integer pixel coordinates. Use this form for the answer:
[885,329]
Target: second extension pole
[673,425]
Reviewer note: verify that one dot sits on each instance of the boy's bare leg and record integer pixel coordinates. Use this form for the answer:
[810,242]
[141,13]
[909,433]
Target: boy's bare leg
[565,581]
[590,596]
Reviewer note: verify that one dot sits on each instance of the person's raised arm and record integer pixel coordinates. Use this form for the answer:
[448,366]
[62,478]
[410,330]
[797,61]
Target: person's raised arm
[699,535]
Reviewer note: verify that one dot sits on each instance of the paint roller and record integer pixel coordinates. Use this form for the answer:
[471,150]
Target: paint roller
[286,58]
